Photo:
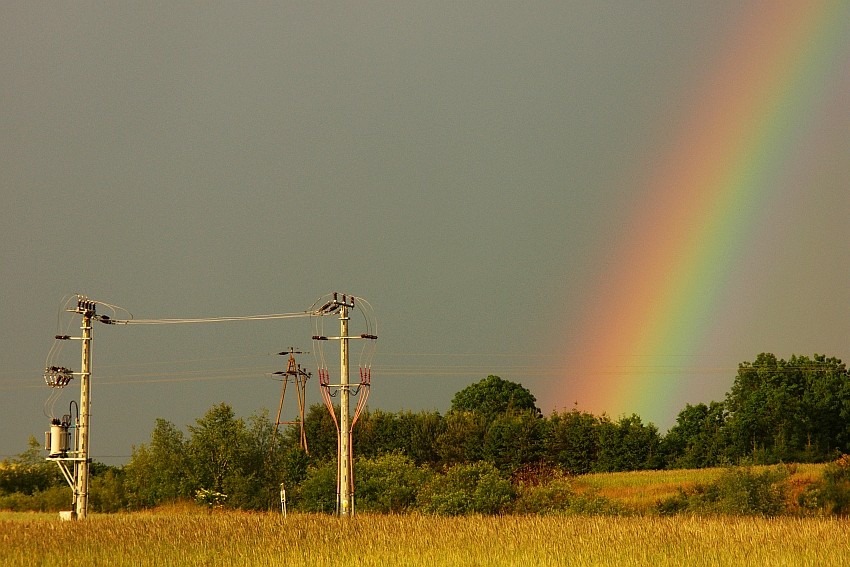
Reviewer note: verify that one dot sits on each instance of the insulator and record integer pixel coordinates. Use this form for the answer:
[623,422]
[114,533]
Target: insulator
[62,337]
[319,338]
[57,376]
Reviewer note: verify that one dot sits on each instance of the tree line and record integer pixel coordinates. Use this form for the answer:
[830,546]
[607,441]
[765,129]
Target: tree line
[474,457]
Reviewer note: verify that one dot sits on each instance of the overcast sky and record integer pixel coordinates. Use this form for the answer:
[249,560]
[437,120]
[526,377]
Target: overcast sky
[464,166]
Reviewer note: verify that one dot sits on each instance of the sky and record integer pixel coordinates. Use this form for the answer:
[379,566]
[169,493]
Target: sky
[611,203]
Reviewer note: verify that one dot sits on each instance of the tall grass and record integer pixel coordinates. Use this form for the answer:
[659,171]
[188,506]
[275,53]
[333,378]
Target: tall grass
[189,537]
[640,491]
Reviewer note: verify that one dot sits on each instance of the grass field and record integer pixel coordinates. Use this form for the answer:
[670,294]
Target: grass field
[640,491]
[186,534]
[195,537]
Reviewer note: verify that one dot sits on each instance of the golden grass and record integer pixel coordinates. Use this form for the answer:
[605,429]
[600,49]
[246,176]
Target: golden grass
[640,491]
[234,538]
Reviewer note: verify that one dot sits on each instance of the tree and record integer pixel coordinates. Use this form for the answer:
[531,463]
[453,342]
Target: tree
[789,410]
[158,472]
[513,440]
[29,473]
[318,491]
[217,450]
[825,404]
[628,445]
[321,433]
[475,488]
[380,433]
[573,441]
[697,439]
[494,396]
[388,483]
[462,440]
[263,464]
[426,428]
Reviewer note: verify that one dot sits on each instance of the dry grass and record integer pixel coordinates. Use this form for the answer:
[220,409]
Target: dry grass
[640,491]
[192,537]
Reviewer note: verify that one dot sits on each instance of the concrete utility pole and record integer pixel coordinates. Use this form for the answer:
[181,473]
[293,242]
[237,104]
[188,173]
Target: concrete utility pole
[82,485]
[73,458]
[346,422]
[344,435]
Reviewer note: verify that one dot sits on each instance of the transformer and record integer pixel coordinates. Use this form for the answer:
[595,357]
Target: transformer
[57,441]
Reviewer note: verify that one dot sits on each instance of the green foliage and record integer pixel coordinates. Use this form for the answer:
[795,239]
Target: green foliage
[159,472]
[29,473]
[462,439]
[789,410]
[216,449]
[831,495]
[557,496]
[210,498]
[493,397]
[381,433]
[697,440]
[739,491]
[107,491]
[475,488]
[321,433]
[627,445]
[388,483]
[222,455]
[776,410]
[426,427]
[513,440]
[51,499]
[294,464]
[572,442]
[318,491]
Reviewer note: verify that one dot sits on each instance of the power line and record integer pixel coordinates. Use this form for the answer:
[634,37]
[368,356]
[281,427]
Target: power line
[107,320]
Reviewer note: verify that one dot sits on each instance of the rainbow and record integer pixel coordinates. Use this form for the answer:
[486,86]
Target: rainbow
[661,291]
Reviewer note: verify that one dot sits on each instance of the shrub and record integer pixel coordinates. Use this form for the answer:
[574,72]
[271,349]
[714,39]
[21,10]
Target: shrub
[556,496]
[106,493]
[388,484]
[738,491]
[832,494]
[318,491]
[466,489]
[52,499]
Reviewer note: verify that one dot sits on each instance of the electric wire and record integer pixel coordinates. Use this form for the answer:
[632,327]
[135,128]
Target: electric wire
[267,317]
[55,352]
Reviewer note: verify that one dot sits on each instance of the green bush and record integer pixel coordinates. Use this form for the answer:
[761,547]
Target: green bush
[318,491]
[106,493]
[466,489]
[738,491]
[52,499]
[388,484]
[556,496]
[832,494]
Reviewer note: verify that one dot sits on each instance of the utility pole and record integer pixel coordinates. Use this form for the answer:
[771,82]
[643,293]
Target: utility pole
[344,436]
[82,486]
[345,423]
[73,459]
[299,377]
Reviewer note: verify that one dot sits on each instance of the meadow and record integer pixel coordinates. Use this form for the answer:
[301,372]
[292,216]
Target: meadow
[640,491]
[190,536]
